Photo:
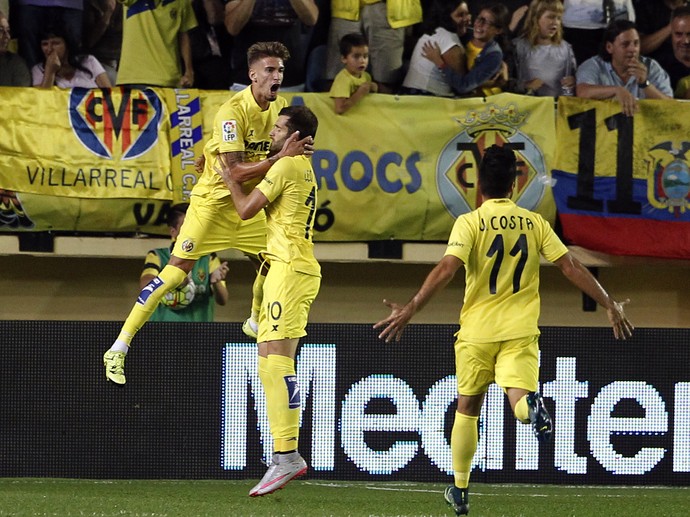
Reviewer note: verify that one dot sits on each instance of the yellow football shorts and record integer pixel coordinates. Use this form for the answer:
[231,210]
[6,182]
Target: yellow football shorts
[510,364]
[288,295]
[213,225]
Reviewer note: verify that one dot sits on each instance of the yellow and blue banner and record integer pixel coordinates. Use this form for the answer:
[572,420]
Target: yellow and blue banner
[391,168]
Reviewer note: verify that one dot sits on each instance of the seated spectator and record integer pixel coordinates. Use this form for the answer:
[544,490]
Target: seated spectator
[13,69]
[446,23]
[584,22]
[619,71]
[545,62]
[486,71]
[677,64]
[653,20]
[249,21]
[384,24]
[353,82]
[64,66]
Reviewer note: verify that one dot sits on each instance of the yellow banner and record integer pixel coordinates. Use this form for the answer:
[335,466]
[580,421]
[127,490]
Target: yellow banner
[85,143]
[32,212]
[391,168]
[406,167]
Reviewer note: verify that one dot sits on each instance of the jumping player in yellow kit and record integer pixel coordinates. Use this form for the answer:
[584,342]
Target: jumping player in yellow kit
[288,193]
[499,244]
[239,146]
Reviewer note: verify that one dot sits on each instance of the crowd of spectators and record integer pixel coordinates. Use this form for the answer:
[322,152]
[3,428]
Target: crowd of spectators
[624,49]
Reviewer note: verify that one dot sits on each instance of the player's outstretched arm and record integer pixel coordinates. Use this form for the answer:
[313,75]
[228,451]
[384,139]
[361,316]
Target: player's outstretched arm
[400,315]
[585,281]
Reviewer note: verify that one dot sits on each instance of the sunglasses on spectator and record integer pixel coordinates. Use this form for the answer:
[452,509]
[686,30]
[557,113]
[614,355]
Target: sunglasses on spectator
[480,20]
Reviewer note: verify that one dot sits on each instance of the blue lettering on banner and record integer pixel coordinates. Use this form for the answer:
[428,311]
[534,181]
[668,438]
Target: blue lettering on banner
[357,171]
[148,289]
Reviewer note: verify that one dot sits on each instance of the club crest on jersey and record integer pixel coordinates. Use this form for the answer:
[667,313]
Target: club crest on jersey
[116,124]
[458,164]
[668,186]
[229,130]
[187,245]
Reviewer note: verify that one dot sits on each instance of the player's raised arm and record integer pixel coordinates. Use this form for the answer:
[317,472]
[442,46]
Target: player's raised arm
[400,315]
[585,281]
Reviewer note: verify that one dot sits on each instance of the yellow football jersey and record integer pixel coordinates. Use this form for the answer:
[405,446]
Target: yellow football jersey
[290,188]
[500,245]
[239,125]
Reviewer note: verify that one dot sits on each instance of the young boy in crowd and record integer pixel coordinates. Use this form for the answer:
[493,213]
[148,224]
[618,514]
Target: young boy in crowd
[353,82]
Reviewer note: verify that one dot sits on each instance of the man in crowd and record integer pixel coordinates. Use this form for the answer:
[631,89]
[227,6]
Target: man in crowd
[618,71]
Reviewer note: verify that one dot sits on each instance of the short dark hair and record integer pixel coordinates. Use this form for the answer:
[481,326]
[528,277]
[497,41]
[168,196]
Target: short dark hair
[497,171]
[302,119]
[75,55]
[679,12]
[264,49]
[175,213]
[349,41]
[611,32]
[501,14]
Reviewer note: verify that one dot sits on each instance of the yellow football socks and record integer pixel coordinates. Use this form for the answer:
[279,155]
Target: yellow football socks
[282,401]
[463,445]
[171,277]
[522,410]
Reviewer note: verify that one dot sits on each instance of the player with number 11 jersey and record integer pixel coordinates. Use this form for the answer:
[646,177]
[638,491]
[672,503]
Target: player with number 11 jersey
[501,243]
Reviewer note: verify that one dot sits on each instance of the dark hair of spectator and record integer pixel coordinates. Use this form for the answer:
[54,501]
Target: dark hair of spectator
[614,29]
[176,213]
[679,12]
[497,171]
[264,49]
[501,16]
[302,119]
[75,56]
[349,41]
[439,16]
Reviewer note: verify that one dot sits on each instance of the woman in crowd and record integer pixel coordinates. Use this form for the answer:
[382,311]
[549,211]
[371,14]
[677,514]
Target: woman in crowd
[486,72]
[545,62]
[64,66]
[445,25]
